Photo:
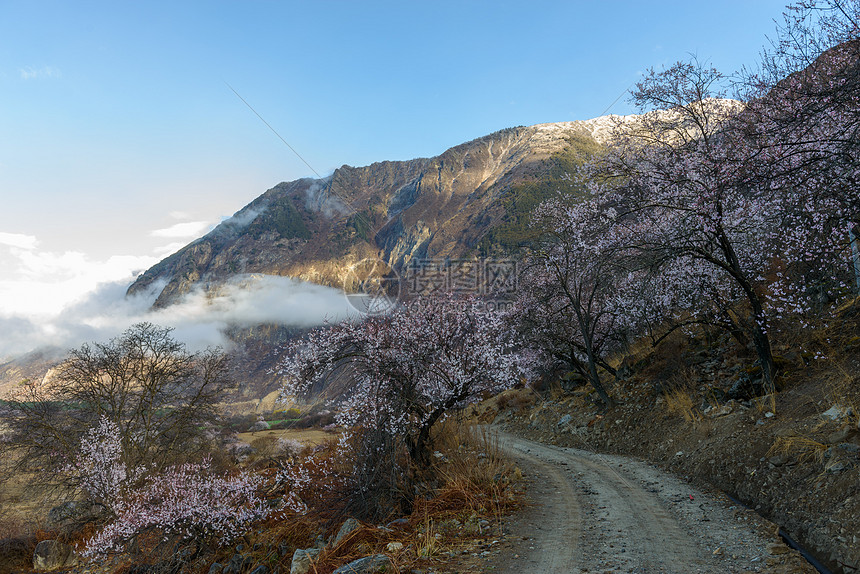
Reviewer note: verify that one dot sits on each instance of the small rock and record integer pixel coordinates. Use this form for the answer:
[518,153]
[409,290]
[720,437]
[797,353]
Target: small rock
[718,551]
[777,460]
[53,554]
[838,466]
[366,565]
[302,559]
[236,564]
[398,524]
[722,411]
[348,526]
[215,568]
[564,420]
[846,434]
[261,569]
[394,546]
[842,449]
[836,413]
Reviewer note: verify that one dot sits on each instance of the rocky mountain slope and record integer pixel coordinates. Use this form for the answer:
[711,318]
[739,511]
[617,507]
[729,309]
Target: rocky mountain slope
[396,211]
[473,200]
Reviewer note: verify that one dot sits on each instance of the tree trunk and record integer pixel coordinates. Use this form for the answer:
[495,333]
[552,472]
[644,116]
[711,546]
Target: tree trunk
[765,357]
[419,447]
[595,378]
[598,386]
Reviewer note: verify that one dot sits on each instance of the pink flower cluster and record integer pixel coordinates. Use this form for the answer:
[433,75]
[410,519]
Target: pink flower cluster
[184,502]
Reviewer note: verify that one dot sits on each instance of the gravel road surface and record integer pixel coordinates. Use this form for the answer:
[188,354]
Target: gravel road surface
[604,513]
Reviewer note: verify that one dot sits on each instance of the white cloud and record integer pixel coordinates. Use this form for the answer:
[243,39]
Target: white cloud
[62,299]
[18,240]
[43,73]
[189,229]
[169,249]
[42,283]
[199,318]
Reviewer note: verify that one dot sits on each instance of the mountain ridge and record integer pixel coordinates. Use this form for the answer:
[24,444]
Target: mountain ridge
[396,211]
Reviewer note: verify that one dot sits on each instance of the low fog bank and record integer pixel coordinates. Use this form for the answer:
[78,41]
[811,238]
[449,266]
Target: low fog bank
[199,318]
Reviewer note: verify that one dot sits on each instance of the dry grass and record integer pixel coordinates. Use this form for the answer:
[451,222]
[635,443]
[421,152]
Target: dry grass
[765,404]
[680,395]
[474,487]
[680,402]
[476,476]
[842,386]
[800,448]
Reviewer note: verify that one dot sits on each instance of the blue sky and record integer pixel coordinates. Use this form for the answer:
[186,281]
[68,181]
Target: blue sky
[120,140]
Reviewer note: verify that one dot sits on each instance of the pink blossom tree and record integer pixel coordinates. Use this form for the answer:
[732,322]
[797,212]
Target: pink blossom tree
[717,201]
[572,280]
[397,376]
[188,504]
[98,468]
[689,198]
[185,504]
[804,110]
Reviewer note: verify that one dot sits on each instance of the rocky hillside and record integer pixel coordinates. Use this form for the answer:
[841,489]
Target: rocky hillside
[441,207]
[473,200]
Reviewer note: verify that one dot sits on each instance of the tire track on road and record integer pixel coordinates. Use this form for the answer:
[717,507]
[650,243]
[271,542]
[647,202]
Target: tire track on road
[595,513]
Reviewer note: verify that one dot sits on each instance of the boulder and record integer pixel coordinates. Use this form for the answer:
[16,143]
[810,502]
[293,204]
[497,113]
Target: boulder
[572,380]
[53,554]
[302,559]
[348,526]
[366,565]
[745,388]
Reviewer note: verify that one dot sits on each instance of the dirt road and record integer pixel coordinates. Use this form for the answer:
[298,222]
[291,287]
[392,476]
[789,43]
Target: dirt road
[601,513]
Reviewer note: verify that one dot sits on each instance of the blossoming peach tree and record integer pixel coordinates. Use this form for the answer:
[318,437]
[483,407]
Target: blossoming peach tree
[184,506]
[708,203]
[398,375]
[572,283]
